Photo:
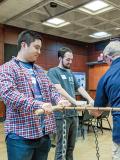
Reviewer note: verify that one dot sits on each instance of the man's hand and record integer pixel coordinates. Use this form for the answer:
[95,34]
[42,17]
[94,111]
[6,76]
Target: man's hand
[64,103]
[95,113]
[47,107]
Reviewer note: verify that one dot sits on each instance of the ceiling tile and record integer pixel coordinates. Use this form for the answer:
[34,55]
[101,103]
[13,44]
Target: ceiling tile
[105,26]
[35,17]
[91,21]
[87,31]
[111,15]
[75,2]
[10,8]
[73,36]
[73,16]
[72,27]
[117,21]
[29,14]
[52,11]
[115,2]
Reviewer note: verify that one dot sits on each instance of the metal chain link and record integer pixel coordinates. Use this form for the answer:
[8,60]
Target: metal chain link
[64,142]
[96,140]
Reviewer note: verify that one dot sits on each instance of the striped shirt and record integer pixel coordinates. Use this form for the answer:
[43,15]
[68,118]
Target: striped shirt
[17,92]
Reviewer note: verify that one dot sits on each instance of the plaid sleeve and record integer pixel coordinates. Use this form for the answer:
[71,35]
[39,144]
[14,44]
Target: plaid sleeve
[55,95]
[11,95]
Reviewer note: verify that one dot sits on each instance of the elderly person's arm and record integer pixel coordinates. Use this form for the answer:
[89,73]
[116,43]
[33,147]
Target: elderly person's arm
[101,99]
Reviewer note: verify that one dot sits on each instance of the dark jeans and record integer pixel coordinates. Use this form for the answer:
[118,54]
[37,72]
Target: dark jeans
[36,149]
[71,131]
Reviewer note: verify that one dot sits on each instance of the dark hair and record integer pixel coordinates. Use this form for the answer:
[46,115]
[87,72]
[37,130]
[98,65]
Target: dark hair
[62,51]
[27,36]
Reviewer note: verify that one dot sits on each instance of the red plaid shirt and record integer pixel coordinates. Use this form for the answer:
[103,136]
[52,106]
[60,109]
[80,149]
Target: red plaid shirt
[17,93]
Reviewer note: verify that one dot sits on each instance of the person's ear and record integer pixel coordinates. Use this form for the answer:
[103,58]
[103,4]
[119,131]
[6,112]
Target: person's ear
[110,60]
[60,58]
[23,45]
[110,57]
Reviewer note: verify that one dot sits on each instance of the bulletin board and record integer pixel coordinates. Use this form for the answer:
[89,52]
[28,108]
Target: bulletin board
[81,78]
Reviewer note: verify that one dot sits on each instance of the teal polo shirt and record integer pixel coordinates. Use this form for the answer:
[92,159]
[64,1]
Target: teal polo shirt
[66,78]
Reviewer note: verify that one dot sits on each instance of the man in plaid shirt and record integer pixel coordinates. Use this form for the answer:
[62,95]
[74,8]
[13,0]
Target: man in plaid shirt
[24,87]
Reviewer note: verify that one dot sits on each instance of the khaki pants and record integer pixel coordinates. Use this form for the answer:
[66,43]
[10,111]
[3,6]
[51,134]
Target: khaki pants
[116,151]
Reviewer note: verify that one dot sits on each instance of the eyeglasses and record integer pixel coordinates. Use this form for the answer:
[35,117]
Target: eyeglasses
[106,58]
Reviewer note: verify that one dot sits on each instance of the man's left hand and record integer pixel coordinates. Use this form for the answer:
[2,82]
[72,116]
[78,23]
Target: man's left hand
[64,103]
[95,113]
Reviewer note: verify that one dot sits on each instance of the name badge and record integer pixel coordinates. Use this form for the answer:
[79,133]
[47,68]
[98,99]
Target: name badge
[63,77]
[33,80]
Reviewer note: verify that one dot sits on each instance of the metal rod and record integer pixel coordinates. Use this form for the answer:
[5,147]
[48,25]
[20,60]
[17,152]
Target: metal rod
[79,108]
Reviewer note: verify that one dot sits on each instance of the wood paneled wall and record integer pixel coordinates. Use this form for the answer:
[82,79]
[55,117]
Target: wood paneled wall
[50,46]
[95,72]
[2,110]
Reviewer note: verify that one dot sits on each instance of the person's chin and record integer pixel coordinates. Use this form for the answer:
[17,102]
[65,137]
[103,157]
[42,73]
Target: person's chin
[32,61]
[35,59]
[67,67]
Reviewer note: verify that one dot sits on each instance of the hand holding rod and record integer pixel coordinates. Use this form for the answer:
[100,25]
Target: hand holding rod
[78,108]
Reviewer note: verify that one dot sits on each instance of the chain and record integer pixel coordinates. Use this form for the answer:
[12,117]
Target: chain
[96,140]
[64,143]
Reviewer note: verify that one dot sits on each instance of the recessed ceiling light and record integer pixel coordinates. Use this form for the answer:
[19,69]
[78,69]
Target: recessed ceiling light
[117,28]
[96,6]
[56,22]
[100,35]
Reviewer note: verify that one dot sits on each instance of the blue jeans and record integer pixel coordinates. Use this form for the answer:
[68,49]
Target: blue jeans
[71,131]
[36,149]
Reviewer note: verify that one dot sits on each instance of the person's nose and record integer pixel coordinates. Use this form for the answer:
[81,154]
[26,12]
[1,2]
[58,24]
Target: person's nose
[39,51]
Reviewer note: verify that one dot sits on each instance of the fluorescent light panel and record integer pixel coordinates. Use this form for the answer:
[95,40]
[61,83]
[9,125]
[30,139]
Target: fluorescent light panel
[56,22]
[117,28]
[100,35]
[96,7]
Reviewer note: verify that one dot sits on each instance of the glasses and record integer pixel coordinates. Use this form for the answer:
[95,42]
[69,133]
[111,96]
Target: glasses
[107,58]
